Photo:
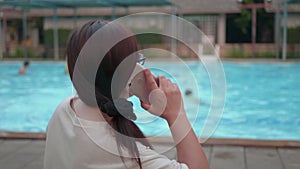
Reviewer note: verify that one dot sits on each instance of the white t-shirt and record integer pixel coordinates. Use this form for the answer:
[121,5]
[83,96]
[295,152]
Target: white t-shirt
[75,143]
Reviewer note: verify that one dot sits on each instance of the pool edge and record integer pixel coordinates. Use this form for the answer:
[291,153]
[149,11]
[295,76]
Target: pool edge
[22,135]
[168,140]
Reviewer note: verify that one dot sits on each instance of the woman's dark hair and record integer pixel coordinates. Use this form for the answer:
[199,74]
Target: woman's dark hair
[127,131]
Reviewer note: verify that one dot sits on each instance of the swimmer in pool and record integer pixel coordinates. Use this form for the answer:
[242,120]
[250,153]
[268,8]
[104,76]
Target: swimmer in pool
[188,92]
[189,95]
[24,68]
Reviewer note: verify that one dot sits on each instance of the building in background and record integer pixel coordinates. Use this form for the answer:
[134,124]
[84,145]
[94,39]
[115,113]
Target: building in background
[218,19]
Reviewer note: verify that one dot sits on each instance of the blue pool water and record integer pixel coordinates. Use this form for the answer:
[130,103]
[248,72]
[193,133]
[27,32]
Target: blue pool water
[262,99]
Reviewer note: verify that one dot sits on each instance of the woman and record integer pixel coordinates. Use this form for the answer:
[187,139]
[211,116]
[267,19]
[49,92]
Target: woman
[101,134]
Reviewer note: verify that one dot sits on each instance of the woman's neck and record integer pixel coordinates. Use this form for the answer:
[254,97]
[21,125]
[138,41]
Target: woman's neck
[87,112]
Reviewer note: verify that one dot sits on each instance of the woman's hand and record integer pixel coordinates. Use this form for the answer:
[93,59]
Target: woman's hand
[166,101]
[165,97]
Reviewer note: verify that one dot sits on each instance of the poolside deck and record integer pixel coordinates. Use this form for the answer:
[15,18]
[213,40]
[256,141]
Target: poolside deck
[28,154]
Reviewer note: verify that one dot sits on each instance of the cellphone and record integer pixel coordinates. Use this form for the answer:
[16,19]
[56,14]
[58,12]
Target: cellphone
[138,86]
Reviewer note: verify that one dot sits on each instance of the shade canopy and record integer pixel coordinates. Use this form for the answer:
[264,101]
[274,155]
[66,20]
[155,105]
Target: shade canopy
[294,1]
[81,3]
[26,5]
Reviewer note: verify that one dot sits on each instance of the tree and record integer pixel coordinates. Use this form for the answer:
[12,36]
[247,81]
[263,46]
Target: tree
[244,20]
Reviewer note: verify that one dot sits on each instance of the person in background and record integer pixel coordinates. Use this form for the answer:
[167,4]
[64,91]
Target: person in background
[191,98]
[188,92]
[24,68]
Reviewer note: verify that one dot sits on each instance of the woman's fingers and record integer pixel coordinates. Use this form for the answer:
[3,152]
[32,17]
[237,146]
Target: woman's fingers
[164,96]
[164,83]
[150,81]
[175,87]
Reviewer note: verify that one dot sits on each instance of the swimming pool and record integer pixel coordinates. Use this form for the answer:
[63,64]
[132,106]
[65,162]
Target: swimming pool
[262,102]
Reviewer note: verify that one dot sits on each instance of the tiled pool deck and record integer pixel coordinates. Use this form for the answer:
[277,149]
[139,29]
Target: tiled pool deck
[28,154]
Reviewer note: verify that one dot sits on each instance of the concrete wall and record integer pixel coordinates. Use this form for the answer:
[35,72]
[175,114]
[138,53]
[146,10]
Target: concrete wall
[293,20]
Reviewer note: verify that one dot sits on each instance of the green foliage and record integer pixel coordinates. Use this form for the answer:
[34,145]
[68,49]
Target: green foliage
[293,55]
[30,53]
[243,21]
[293,35]
[185,56]
[149,38]
[265,55]
[236,52]
[248,1]
[63,35]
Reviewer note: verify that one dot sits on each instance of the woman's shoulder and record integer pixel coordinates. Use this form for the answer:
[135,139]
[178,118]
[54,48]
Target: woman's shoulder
[64,104]
[62,109]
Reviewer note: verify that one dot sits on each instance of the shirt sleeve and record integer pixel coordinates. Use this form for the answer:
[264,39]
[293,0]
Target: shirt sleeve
[151,159]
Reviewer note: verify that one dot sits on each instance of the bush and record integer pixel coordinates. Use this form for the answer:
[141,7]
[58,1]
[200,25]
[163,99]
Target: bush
[20,53]
[63,35]
[236,52]
[293,55]
[266,55]
[149,38]
[293,35]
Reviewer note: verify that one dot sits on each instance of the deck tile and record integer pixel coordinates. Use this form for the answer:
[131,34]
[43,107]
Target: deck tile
[226,157]
[290,157]
[262,158]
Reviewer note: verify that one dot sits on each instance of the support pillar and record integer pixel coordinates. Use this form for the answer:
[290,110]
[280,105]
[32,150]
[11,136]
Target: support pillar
[277,31]
[24,26]
[174,32]
[221,29]
[74,18]
[253,41]
[1,40]
[284,39]
[55,34]
[113,13]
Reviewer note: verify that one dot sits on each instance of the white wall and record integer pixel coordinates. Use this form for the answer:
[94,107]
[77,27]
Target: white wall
[293,20]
